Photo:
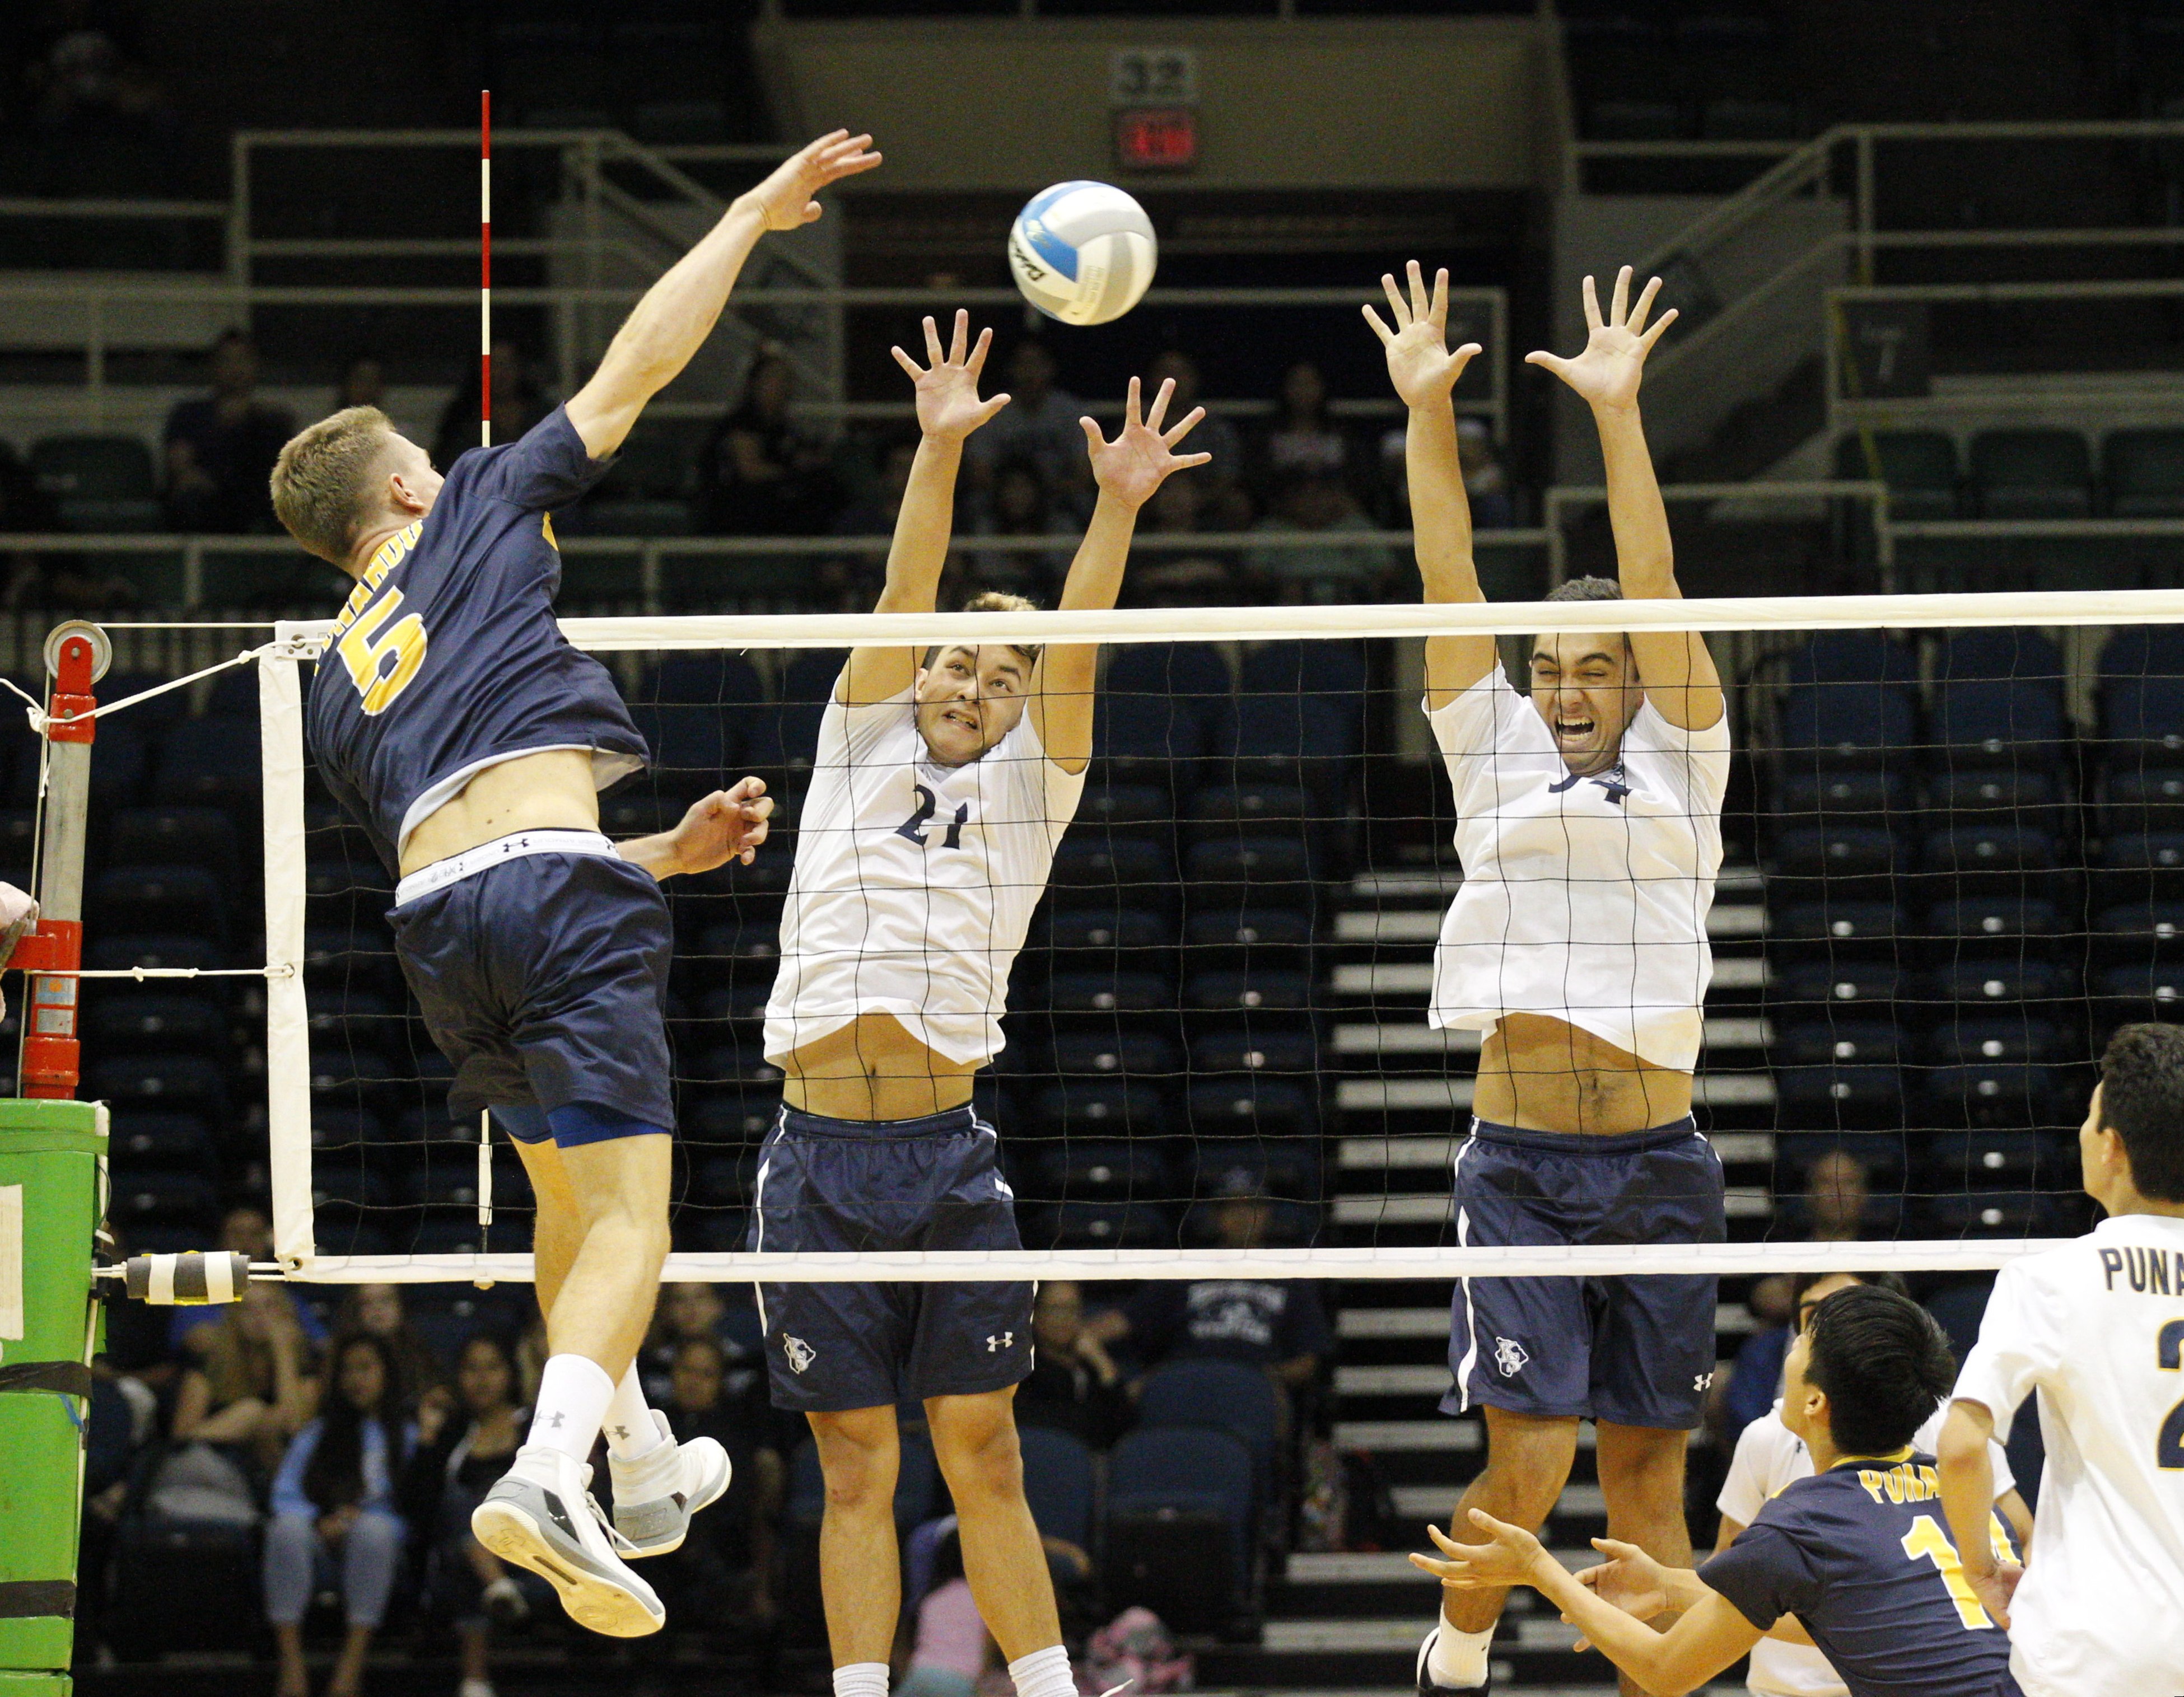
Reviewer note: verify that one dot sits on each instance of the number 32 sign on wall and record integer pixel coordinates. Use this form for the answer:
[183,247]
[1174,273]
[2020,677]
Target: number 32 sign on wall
[1154,91]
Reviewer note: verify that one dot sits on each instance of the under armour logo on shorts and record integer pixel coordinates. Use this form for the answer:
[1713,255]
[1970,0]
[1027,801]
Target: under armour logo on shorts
[994,1345]
[800,1353]
[1702,1382]
[1510,1356]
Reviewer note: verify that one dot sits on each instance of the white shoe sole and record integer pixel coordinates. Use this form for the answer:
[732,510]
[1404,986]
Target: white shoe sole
[640,1552]
[591,1601]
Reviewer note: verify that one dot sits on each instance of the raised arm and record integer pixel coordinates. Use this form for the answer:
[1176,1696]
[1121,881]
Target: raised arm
[947,410]
[1675,666]
[1425,370]
[1127,470]
[678,312]
[1967,1470]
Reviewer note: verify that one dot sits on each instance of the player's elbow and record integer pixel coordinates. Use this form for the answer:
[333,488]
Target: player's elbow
[1963,1438]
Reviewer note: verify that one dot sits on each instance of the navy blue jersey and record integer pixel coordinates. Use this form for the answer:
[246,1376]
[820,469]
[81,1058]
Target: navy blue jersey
[1861,1554]
[446,658]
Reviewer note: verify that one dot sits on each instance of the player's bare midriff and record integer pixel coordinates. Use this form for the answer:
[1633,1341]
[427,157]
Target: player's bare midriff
[1542,1074]
[552,790]
[873,1069]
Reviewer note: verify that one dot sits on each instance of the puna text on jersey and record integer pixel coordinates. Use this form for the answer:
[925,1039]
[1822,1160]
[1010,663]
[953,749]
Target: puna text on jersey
[2160,1271]
[1906,1481]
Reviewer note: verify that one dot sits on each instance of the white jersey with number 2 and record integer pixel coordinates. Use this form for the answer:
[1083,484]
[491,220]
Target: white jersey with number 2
[2097,1328]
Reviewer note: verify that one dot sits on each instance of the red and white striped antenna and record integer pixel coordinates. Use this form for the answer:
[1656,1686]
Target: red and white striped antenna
[485,268]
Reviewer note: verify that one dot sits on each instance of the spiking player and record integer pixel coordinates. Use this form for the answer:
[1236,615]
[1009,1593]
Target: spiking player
[451,720]
[941,786]
[1589,823]
[2097,1328]
[1858,1553]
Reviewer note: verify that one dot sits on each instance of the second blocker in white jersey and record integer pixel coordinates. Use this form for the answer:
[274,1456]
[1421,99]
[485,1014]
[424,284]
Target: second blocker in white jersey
[2097,1328]
[915,882]
[1584,899]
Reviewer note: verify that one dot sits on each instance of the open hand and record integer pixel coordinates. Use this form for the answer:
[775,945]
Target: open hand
[728,825]
[947,403]
[784,198]
[1629,1580]
[1997,1589]
[1138,459]
[1511,1555]
[1423,368]
[1606,373]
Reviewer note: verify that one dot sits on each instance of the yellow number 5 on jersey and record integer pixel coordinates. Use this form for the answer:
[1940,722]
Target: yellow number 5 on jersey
[375,681]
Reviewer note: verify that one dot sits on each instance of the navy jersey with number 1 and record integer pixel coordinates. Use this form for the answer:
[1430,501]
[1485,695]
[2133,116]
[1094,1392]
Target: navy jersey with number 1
[447,660]
[1861,1555]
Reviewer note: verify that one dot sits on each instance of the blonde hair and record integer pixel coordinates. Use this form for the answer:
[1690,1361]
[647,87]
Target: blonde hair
[996,601]
[319,482]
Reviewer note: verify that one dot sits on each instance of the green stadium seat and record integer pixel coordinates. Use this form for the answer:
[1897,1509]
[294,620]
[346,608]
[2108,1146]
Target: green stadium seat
[98,483]
[1920,467]
[2144,472]
[2032,474]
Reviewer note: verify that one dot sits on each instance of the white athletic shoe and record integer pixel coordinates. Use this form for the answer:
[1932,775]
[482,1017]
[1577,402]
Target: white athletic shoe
[540,1516]
[655,1495]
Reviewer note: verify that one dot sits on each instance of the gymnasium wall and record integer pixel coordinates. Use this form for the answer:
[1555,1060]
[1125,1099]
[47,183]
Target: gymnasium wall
[1366,103]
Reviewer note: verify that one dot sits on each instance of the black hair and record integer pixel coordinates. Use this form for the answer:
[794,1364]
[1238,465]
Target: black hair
[1884,1364]
[1880,1280]
[2142,1103]
[334,1478]
[1579,589]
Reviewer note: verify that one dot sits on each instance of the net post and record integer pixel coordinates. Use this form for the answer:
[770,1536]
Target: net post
[287,1016]
[485,268]
[76,657]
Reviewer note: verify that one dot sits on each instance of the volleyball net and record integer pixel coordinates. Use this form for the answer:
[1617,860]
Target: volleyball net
[1953,862]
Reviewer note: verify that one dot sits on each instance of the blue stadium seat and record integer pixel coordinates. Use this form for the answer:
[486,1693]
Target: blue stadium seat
[1111,992]
[1179,1525]
[2139,932]
[1980,851]
[1060,1484]
[1108,933]
[346,1076]
[1158,703]
[1842,854]
[1193,672]
[340,960]
[1980,795]
[1832,1094]
[1845,984]
[358,1019]
[1136,867]
[917,1483]
[724,1116]
[1108,1053]
[165,1194]
[1850,701]
[1335,667]
[1222,937]
[1989,1160]
[1282,1166]
[2001,981]
[2155,991]
[1993,1093]
[173,837]
[1103,1107]
[1263,870]
[744,999]
[142,1138]
[1211,1394]
[209,762]
[2003,920]
[1997,699]
[1844,795]
[1100,1225]
[153,1018]
[1975,1039]
[334,1129]
[176,899]
[1254,1049]
[1148,735]
[2137,866]
[1994,1214]
[1253,1103]
[703,741]
[723,1181]
[1080,1170]
[1252,808]
[186,1082]
[1837,928]
[1132,809]
[2142,799]
[1257,990]
[1867,1042]
[1282,733]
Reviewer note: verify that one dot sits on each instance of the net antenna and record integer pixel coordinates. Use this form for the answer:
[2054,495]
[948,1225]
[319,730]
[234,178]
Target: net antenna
[485,268]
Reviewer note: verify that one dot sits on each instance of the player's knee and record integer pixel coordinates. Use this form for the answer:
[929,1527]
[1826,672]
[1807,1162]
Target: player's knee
[857,1461]
[974,1439]
[1640,1465]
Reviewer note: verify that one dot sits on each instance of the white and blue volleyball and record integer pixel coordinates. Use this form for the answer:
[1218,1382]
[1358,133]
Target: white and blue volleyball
[1082,252]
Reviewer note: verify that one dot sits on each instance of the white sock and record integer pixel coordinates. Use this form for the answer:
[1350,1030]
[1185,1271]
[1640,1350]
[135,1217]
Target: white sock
[1044,1674]
[631,1430]
[1458,1660]
[573,1394]
[862,1679]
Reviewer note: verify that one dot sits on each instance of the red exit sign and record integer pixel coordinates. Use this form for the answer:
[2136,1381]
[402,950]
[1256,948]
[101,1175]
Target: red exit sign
[1156,138]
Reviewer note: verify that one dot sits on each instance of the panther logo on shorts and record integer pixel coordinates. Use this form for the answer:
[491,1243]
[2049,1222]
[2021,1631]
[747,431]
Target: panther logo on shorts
[800,1353]
[1509,1355]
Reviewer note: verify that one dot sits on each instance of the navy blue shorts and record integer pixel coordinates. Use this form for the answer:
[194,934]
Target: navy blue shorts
[931,1183]
[544,980]
[1637,1351]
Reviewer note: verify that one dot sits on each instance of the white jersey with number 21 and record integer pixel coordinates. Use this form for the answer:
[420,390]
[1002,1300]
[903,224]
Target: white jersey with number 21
[2097,1328]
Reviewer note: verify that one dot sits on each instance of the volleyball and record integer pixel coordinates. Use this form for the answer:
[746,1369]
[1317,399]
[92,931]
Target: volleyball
[1082,252]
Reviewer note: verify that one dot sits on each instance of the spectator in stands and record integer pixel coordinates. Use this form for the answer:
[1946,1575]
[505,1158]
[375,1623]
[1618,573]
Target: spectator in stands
[1838,1198]
[1074,1385]
[220,447]
[1184,578]
[1219,485]
[107,124]
[1327,571]
[760,473]
[1302,443]
[420,1375]
[951,1650]
[1040,424]
[334,1502]
[1017,505]
[1486,479]
[253,1385]
[520,400]
[1277,1324]
[244,1230]
[459,1455]
[122,1420]
[858,576]
[724,1570]
[698,1311]
[363,383]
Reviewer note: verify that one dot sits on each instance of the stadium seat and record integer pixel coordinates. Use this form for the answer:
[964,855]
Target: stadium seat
[2001,981]
[174,837]
[1988,851]
[98,483]
[1997,699]
[2004,921]
[1993,1214]
[177,899]
[1842,855]
[1137,868]
[337,1128]
[1254,1050]
[1834,928]
[1844,984]
[1079,1170]
[1993,1092]
[1870,1043]
[1136,1225]
[1060,1484]
[1180,1526]
[1209,1394]
[1835,722]
[1980,795]
[2141,992]
[1975,1039]
[2136,866]
[350,1077]
[2031,474]
[1156,707]
[1334,668]
[176,1582]
[143,1194]
[1831,1094]
[1259,990]
[208,762]
[1232,938]
[2139,932]
[1880,1153]
[743,999]
[1077,938]
[1102,1054]
[2144,472]
[1261,870]
[1844,796]
[2142,799]
[1268,1107]
[1130,808]
[149,1020]
[1251,808]
[1100,1107]
[1288,1166]
[722,1180]
[140,1139]
[1918,466]
[724,1116]
[1111,992]
[917,1483]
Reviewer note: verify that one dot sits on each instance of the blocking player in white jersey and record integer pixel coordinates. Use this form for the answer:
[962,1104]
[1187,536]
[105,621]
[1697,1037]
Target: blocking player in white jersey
[1589,824]
[2097,1328]
[1769,1456]
[941,786]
